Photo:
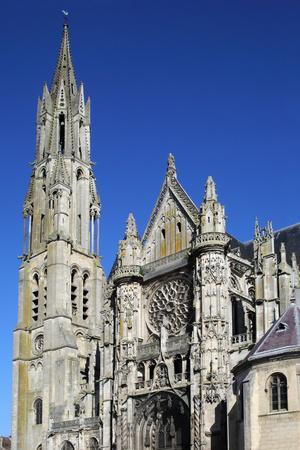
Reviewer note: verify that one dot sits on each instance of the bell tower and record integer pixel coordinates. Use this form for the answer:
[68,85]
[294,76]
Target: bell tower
[57,339]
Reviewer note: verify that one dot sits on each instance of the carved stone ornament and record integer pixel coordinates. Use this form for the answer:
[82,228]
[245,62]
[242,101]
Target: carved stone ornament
[161,377]
[211,394]
[39,343]
[171,299]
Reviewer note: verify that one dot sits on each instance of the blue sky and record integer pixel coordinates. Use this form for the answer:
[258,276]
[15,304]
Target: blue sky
[217,83]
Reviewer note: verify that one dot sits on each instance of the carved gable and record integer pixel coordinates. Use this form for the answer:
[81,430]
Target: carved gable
[172,222]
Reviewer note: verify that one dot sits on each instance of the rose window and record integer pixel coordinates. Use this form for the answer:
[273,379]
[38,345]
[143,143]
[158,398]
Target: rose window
[170,305]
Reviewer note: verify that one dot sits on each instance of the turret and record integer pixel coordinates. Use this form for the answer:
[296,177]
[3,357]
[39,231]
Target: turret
[212,213]
[130,247]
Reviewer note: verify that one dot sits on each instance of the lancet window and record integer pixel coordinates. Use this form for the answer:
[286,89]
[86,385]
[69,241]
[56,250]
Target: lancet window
[35,297]
[85,297]
[74,291]
[38,411]
[62,132]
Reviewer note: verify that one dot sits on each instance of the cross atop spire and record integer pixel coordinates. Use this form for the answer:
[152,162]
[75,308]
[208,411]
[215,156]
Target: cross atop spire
[64,72]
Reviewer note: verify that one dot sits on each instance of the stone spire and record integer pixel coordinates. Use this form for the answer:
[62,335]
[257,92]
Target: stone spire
[64,73]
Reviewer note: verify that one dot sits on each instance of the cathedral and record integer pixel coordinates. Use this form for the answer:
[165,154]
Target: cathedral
[191,342]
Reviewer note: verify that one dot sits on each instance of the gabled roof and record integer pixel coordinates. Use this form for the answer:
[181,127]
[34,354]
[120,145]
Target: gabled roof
[171,185]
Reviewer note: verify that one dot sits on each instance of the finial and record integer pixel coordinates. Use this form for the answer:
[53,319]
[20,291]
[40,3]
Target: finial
[294,261]
[131,229]
[210,190]
[282,253]
[256,228]
[171,169]
[270,227]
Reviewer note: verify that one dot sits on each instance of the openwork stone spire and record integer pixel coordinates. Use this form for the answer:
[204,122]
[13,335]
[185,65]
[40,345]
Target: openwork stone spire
[64,73]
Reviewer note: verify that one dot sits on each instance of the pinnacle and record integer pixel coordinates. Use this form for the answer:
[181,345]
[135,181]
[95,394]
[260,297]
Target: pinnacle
[171,168]
[60,172]
[210,190]
[131,229]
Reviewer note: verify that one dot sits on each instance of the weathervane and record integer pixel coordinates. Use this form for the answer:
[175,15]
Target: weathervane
[65,13]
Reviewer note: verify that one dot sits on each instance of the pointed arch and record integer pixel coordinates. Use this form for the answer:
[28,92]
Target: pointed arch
[38,411]
[162,422]
[67,446]
[93,444]
[35,286]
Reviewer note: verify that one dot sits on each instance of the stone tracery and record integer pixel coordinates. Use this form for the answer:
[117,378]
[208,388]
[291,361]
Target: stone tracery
[172,299]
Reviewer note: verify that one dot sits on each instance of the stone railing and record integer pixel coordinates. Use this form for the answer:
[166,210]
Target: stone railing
[175,344]
[126,271]
[209,239]
[143,384]
[180,377]
[242,338]
[92,421]
[65,424]
[149,267]
[146,351]
[75,423]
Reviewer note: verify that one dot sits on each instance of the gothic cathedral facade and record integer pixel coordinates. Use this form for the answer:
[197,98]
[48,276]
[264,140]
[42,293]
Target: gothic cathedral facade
[171,350]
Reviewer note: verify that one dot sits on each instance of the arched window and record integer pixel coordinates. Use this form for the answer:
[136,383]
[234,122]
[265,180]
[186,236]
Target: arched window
[152,365]
[85,298]
[278,390]
[74,291]
[39,447]
[45,292]
[94,444]
[178,367]
[62,132]
[79,174]
[141,375]
[38,411]
[35,297]
[67,446]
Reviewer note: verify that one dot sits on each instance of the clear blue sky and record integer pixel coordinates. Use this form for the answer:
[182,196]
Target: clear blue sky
[215,82]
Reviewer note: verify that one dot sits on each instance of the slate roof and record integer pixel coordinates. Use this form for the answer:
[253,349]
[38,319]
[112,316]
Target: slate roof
[290,236]
[282,338]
